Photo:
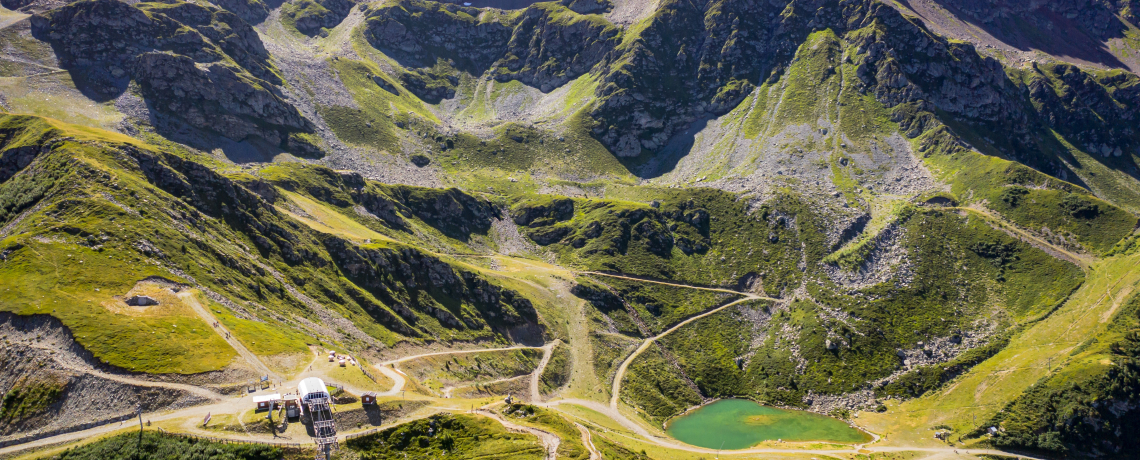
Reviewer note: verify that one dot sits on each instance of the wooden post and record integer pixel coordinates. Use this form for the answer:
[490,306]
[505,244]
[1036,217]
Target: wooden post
[138,453]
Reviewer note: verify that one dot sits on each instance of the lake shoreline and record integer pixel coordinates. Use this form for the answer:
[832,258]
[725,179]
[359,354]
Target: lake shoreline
[739,423]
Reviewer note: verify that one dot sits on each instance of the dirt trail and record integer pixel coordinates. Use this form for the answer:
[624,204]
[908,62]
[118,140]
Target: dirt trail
[397,377]
[84,368]
[536,376]
[588,440]
[1084,261]
[549,440]
[616,392]
[446,391]
[686,286]
[189,298]
[388,368]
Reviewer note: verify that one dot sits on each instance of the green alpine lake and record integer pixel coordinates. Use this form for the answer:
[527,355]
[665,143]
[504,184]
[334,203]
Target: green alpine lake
[740,423]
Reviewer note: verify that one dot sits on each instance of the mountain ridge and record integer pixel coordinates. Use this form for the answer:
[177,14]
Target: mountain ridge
[919,190]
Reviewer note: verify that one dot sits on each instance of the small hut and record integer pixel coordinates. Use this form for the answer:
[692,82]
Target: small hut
[368,398]
[267,402]
[292,407]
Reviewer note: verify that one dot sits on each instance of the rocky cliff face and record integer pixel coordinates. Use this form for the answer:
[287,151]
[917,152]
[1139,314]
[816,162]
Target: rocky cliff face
[310,17]
[405,279]
[198,64]
[419,33]
[545,45]
[695,60]
[1093,16]
[552,45]
[680,69]
[1096,111]
[251,11]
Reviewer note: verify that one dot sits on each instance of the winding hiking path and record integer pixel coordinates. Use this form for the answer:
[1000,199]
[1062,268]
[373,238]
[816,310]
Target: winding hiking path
[667,283]
[1084,261]
[536,376]
[80,366]
[399,379]
[447,391]
[588,440]
[549,440]
[620,375]
[190,299]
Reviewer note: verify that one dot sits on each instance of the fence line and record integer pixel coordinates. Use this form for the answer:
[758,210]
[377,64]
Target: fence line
[285,445]
[71,429]
[366,373]
[363,433]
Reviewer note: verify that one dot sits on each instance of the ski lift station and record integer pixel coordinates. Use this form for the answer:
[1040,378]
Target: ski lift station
[315,397]
[311,389]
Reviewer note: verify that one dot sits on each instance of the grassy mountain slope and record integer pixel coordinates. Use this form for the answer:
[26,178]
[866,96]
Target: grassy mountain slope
[938,229]
[127,208]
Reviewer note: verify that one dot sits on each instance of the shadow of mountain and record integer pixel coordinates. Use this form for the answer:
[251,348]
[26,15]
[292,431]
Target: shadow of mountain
[499,4]
[654,165]
[1041,28]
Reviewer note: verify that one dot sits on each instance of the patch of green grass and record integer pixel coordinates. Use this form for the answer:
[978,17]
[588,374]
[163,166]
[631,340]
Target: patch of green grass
[808,79]
[1089,402]
[976,177]
[660,306]
[156,445]
[699,236]
[521,149]
[461,436]
[608,352]
[1077,217]
[547,420]
[657,388]
[28,398]
[436,372]
[381,113]
[262,337]
[557,372]
[75,283]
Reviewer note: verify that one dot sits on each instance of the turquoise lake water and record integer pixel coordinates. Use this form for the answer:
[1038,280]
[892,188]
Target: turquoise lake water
[739,424]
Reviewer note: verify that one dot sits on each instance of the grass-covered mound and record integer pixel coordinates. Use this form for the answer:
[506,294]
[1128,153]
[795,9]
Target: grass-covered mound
[157,446]
[28,398]
[459,436]
[570,448]
[440,371]
[697,236]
